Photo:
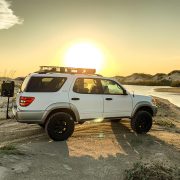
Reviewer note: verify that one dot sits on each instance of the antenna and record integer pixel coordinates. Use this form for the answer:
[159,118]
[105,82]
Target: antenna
[133,93]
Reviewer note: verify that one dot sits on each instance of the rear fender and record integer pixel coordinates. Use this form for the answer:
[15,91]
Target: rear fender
[59,106]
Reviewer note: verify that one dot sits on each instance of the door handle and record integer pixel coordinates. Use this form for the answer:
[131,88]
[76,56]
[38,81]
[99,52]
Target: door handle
[75,99]
[109,99]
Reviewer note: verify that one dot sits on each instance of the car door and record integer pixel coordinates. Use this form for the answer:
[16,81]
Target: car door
[86,96]
[117,102]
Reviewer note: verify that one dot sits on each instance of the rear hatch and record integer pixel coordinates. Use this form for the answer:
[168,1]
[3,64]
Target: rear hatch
[38,92]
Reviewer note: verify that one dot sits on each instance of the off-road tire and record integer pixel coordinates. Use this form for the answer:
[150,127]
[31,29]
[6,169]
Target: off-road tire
[141,123]
[60,126]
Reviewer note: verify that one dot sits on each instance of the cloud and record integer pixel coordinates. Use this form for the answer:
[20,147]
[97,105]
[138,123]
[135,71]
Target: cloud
[7,18]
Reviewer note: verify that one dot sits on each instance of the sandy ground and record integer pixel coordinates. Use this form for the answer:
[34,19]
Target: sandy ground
[95,151]
[172,90]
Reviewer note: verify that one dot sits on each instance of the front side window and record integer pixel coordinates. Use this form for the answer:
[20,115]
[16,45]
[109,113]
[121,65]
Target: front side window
[87,86]
[45,84]
[111,87]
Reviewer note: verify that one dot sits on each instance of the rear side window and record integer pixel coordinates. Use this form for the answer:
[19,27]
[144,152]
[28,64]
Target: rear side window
[45,84]
[87,86]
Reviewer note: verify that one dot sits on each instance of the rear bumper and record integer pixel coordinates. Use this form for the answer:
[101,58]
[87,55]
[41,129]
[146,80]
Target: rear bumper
[31,117]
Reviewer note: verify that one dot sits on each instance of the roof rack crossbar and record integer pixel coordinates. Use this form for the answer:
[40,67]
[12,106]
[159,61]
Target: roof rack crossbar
[70,70]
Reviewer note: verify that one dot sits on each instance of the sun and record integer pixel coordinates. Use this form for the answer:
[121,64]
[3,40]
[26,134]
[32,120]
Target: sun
[84,55]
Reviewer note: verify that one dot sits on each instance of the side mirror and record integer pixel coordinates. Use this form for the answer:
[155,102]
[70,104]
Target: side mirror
[125,92]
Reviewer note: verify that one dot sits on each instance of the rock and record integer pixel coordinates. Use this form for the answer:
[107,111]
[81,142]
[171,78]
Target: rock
[67,167]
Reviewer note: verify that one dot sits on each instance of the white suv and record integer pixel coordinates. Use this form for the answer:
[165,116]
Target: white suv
[56,98]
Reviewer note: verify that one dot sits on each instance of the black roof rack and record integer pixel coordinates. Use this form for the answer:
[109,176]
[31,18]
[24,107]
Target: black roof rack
[70,70]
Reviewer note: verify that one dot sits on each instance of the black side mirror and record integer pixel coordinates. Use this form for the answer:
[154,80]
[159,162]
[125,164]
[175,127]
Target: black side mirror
[125,92]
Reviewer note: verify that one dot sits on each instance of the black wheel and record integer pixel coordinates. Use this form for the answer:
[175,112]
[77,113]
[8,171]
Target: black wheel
[141,123]
[42,125]
[60,126]
[115,120]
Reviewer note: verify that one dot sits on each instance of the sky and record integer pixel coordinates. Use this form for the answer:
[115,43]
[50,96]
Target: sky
[133,36]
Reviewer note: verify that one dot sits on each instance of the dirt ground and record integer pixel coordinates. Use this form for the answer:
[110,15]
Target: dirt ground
[95,151]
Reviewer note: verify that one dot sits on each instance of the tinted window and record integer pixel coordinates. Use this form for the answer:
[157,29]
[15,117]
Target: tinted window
[87,86]
[45,84]
[111,87]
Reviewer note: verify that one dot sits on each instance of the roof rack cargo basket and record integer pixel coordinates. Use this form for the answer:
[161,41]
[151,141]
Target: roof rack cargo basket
[71,70]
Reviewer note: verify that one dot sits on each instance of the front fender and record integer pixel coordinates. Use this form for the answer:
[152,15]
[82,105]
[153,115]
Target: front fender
[144,104]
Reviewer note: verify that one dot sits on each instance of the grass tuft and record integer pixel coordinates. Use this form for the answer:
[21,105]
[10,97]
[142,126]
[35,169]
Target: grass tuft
[152,171]
[10,150]
[165,123]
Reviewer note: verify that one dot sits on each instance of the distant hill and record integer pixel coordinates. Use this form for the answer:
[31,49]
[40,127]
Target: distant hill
[19,78]
[16,79]
[159,79]
[4,78]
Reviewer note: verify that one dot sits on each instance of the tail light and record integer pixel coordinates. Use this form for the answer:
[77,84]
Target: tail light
[25,101]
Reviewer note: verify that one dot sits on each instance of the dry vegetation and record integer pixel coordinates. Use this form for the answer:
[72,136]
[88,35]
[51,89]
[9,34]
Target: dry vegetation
[168,114]
[3,101]
[9,150]
[152,170]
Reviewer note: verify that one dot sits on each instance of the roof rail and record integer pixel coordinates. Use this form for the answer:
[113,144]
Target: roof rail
[70,70]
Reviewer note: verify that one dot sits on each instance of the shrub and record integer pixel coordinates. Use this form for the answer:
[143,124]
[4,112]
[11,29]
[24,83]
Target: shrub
[10,149]
[175,84]
[165,123]
[152,171]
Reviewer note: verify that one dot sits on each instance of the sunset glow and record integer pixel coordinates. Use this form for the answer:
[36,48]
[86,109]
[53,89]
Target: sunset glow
[118,38]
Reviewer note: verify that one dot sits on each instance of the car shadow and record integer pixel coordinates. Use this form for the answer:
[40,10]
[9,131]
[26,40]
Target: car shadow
[95,151]
[129,143]
[141,145]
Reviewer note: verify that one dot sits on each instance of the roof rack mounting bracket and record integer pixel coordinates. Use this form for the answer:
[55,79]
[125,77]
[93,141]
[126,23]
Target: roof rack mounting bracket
[69,70]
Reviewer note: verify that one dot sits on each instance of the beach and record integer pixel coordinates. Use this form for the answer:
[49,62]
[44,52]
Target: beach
[172,89]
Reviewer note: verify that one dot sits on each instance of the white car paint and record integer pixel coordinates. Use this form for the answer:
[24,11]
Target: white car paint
[89,106]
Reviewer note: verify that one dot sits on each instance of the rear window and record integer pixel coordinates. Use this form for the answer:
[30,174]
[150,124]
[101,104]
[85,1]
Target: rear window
[45,84]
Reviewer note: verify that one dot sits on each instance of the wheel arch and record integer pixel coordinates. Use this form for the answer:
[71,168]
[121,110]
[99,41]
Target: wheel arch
[143,107]
[62,107]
